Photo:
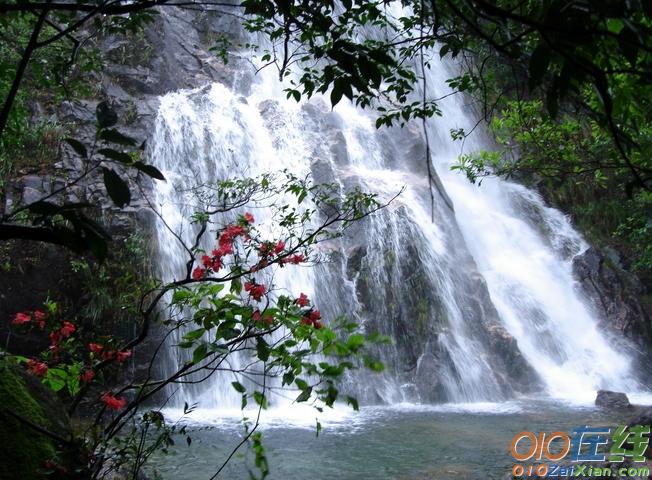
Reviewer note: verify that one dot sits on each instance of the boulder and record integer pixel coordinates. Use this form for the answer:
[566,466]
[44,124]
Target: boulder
[609,399]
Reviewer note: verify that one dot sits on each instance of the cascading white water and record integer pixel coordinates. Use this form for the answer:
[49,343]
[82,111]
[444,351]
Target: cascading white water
[482,302]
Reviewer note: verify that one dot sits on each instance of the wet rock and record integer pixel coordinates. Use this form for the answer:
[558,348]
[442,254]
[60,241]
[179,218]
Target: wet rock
[429,379]
[615,292]
[609,399]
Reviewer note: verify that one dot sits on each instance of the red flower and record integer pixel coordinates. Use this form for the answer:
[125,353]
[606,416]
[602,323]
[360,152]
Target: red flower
[217,264]
[197,273]
[230,233]
[122,355]
[55,337]
[40,317]
[113,403]
[96,348]
[279,247]
[87,376]
[312,318]
[302,301]
[268,319]
[21,318]
[206,260]
[67,329]
[37,368]
[249,218]
[295,259]
[255,291]
[108,354]
[256,316]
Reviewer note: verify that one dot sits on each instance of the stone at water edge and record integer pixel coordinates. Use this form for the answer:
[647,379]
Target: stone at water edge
[609,399]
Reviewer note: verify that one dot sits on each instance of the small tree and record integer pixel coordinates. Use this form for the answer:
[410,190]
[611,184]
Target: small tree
[224,304]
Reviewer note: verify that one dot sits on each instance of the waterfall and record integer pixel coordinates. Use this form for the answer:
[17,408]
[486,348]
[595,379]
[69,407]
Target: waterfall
[481,302]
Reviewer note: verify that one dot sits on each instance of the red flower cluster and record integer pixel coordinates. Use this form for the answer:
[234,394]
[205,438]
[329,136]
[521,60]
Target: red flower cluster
[107,354]
[302,301]
[313,318]
[270,248]
[40,369]
[294,259]
[259,318]
[113,403]
[256,291]
[22,318]
[66,330]
[87,376]
[214,262]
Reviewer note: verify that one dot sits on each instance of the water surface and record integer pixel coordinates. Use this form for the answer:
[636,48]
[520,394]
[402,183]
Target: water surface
[461,441]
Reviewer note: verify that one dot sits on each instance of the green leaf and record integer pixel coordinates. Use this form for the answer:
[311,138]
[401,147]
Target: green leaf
[200,353]
[56,379]
[181,296]
[336,93]
[260,399]
[288,378]
[116,187]
[113,136]
[106,116]
[238,387]
[262,349]
[305,395]
[236,286]
[77,146]
[302,384]
[194,334]
[355,341]
[116,155]
[353,402]
[615,25]
[149,170]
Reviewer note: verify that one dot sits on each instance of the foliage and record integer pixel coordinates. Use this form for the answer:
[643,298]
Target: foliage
[54,74]
[54,219]
[225,305]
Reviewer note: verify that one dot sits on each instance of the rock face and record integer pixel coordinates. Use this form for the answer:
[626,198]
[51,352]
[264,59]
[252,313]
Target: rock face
[609,399]
[616,295]
[616,292]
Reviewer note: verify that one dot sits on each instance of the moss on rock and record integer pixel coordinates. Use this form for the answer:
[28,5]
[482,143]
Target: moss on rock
[24,450]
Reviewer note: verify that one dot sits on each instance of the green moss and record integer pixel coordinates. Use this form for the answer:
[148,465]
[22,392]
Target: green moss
[422,316]
[24,450]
